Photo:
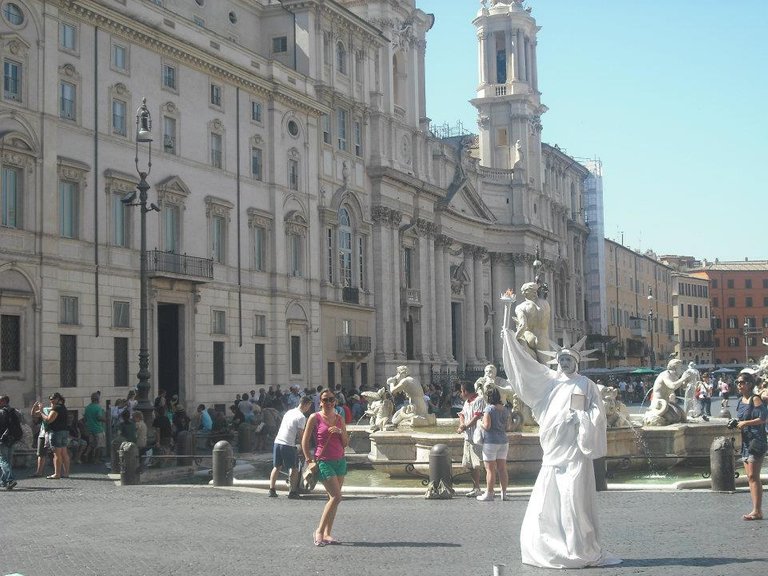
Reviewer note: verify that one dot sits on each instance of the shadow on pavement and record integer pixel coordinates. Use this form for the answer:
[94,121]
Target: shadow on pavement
[391,544]
[693,561]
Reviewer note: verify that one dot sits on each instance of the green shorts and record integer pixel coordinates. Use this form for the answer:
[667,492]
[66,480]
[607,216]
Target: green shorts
[330,468]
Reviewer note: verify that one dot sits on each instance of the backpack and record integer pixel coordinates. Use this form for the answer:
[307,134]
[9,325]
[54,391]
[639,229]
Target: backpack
[14,432]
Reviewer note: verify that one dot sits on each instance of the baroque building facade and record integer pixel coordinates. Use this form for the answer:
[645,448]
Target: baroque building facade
[311,230]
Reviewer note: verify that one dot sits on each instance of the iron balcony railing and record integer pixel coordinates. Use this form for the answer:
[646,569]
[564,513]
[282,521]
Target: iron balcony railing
[159,262]
[353,344]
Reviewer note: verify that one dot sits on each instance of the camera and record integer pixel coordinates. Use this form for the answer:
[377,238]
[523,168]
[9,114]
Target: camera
[732,423]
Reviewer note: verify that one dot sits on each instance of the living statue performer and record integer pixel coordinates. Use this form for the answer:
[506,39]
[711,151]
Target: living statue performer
[560,528]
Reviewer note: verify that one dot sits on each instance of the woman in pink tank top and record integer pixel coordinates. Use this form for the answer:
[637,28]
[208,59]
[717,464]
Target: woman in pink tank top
[326,429]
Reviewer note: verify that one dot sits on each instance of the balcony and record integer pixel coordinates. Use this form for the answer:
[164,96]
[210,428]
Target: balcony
[639,327]
[705,344]
[353,345]
[174,265]
[411,296]
[350,295]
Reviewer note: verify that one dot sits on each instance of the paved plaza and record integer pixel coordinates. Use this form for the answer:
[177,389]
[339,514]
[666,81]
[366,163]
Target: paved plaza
[86,525]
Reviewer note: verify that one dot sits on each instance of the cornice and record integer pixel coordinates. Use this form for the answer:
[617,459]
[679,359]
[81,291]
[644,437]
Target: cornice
[97,14]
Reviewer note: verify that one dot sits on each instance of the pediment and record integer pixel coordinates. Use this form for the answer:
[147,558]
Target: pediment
[173,185]
[463,200]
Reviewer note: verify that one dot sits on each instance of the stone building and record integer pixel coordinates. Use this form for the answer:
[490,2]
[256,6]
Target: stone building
[692,322]
[312,229]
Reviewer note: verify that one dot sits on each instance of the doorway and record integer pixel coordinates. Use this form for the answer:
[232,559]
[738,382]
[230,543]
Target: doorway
[169,348]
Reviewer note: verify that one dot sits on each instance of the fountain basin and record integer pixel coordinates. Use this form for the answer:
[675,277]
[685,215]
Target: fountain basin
[636,448]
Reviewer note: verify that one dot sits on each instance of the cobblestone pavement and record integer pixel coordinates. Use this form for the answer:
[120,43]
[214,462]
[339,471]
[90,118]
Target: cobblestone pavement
[86,525]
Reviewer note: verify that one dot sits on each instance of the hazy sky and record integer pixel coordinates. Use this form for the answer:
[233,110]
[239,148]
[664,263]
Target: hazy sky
[671,95]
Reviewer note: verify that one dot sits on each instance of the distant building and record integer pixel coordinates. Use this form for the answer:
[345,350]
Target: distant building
[692,322]
[739,303]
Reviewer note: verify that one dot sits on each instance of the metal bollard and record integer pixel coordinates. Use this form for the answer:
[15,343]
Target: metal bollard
[245,438]
[601,484]
[440,466]
[184,448]
[114,455]
[129,464]
[721,465]
[499,569]
[222,464]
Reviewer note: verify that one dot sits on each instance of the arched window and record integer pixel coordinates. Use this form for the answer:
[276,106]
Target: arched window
[345,248]
[341,58]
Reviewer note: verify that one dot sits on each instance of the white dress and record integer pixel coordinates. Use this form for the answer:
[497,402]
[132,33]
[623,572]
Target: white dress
[560,525]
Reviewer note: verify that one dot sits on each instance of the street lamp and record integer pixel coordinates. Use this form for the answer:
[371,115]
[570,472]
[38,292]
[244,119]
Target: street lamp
[143,135]
[746,341]
[652,356]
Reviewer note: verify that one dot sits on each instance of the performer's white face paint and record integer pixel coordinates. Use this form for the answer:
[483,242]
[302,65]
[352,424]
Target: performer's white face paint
[567,364]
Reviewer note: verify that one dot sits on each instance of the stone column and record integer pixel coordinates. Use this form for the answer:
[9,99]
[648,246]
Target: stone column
[534,67]
[383,267]
[428,291]
[396,285]
[499,284]
[468,333]
[477,278]
[519,55]
[512,60]
[441,278]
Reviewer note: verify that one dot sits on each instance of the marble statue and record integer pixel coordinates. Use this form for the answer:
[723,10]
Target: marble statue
[415,412]
[664,409]
[380,408]
[532,318]
[616,413]
[560,527]
[489,381]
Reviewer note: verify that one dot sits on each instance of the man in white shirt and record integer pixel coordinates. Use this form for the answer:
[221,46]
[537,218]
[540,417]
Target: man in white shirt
[284,452]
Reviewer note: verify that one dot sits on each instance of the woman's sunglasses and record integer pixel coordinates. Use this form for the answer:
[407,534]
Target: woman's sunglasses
[328,400]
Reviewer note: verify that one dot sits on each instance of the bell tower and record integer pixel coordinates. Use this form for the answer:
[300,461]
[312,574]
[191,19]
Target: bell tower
[508,99]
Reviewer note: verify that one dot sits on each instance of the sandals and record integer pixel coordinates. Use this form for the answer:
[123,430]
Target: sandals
[332,541]
[318,540]
[752,517]
[53,477]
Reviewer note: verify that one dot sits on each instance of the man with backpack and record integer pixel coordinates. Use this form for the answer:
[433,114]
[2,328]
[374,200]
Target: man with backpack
[10,433]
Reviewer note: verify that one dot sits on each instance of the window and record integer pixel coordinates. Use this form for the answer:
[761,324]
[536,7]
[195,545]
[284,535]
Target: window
[218,239]
[67,95]
[12,80]
[341,58]
[346,327]
[730,284]
[325,123]
[341,128]
[408,267]
[765,321]
[260,325]
[10,343]
[331,369]
[748,302]
[198,21]
[296,254]
[733,341]
[119,123]
[216,156]
[171,228]
[361,262]
[119,57]
[345,248]
[260,372]
[751,322]
[358,135]
[69,206]
[121,314]
[280,44]
[68,360]
[218,363]
[120,222]
[120,362]
[13,14]
[12,197]
[715,302]
[747,283]
[293,128]
[295,355]
[218,322]
[256,163]
[293,174]
[259,248]
[67,36]
[169,134]
[255,111]
[215,95]
[169,77]
[733,322]
[765,283]
[68,312]
[731,301]
[714,283]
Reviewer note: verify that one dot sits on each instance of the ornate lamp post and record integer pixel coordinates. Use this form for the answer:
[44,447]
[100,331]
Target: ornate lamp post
[746,341]
[652,355]
[143,135]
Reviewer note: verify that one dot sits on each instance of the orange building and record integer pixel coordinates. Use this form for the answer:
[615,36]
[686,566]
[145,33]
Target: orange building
[739,303]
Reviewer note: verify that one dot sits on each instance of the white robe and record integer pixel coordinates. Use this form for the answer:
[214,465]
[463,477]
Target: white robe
[560,525]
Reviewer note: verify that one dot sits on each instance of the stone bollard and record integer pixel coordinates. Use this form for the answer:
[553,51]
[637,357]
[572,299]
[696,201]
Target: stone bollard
[129,464]
[222,464]
[601,484]
[440,478]
[499,569]
[185,446]
[721,465]
[245,438]
[114,455]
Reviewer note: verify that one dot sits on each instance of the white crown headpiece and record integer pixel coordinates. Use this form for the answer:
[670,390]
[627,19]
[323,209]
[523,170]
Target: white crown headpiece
[575,352]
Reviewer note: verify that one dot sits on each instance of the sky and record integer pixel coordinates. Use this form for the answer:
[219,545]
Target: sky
[670,95]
